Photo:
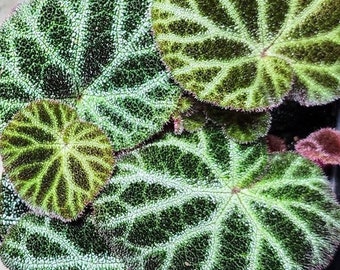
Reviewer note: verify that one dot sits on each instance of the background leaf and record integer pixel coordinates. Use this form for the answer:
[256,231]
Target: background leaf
[321,146]
[243,127]
[57,162]
[202,201]
[97,55]
[43,243]
[246,54]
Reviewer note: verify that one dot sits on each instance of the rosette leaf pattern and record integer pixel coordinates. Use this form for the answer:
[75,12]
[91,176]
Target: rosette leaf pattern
[247,54]
[97,55]
[43,243]
[202,201]
[57,162]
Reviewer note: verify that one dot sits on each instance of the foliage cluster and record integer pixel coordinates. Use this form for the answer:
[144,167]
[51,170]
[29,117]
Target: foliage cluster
[134,135]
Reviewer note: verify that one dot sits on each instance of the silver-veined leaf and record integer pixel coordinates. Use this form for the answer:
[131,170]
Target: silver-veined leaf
[97,55]
[202,201]
[40,243]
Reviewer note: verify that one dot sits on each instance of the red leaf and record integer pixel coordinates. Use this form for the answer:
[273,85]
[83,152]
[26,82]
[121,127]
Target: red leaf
[322,146]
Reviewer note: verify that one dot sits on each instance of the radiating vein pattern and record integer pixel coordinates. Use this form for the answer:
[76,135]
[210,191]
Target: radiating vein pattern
[201,201]
[98,55]
[57,162]
[248,55]
[40,243]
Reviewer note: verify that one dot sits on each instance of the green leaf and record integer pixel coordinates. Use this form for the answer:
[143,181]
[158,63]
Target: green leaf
[246,54]
[243,127]
[202,201]
[189,115]
[57,162]
[43,243]
[97,55]
[11,206]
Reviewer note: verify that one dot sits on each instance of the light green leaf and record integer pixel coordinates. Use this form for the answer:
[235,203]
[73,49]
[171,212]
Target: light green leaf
[202,201]
[57,162]
[97,55]
[247,54]
[38,243]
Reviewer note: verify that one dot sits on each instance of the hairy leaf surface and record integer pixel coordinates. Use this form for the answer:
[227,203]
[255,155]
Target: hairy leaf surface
[97,55]
[57,162]
[38,243]
[246,54]
[11,206]
[243,127]
[202,201]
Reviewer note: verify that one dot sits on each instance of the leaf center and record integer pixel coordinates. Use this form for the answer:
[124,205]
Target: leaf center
[235,190]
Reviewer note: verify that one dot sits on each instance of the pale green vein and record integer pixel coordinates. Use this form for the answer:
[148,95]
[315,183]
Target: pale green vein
[106,122]
[233,13]
[317,211]
[43,42]
[185,236]
[79,24]
[193,5]
[145,210]
[117,25]
[307,41]
[255,245]
[115,63]
[189,148]
[209,64]
[21,78]
[224,211]
[199,38]
[212,28]
[138,33]
[300,18]
[52,236]
[299,223]
[261,20]
[281,252]
[153,177]
[126,115]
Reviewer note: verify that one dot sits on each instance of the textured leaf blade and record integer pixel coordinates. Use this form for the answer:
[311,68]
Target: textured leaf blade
[246,55]
[43,243]
[11,207]
[243,127]
[101,60]
[204,202]
[57,162]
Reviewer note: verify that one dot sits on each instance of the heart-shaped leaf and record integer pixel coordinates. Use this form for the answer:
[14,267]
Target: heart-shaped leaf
[246,54]
[97,55]
[43,243]
[57,162]
[202,201]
